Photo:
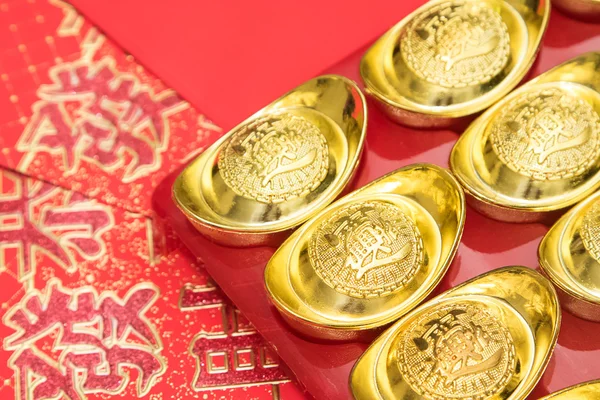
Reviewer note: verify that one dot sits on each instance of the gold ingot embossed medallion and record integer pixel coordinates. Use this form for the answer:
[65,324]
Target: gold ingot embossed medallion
[489,338]
[451,59]
[583,391]
[536,151]
[588,10]
[279,167]
[369,257]
[569,255]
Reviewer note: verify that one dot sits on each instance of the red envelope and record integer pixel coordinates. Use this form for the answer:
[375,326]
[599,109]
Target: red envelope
[98,302]
[230,58]
[77,112]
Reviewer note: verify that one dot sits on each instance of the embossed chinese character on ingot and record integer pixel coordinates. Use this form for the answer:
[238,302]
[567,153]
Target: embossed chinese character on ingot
[453,58]
[569,254]
[537,150]
[583,391]
[278,168]
[369,257]
[490,337]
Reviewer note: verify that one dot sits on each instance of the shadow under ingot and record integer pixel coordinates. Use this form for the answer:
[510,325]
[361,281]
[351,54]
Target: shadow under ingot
[491,337]
[569,255]
[537,151]
[588,10]
[279,167]
[371,256]
[583,391]
[451,59]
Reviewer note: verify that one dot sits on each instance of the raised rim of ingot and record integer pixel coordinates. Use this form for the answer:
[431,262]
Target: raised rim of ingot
[587,10]
[569,255]
[536,151]
[435,69]
[503,323]
[277,168]
[371,256]
[582,391]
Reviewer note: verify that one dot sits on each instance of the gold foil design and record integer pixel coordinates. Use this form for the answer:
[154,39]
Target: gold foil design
[456,44]
[590,230]
[275,158]
[366,249]
[547,134]
[457,351]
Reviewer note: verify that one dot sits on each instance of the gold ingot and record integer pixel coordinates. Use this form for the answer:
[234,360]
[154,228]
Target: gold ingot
[583,391]
[279,167]
[569,255]
[371,256]
[489,338]
[588,10]
[451,59]
[537,151]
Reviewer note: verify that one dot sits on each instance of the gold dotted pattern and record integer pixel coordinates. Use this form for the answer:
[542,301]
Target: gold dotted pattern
[456,44]
[590,230]
[275,158]
[457,351]
[366,249]
[547,134]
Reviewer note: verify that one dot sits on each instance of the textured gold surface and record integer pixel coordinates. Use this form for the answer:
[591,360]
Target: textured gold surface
[483,339]
[583,391]
[275,158]
[569,255]
[278,168]
[369,257]
[366,249]
[456,44]
[537,150]
[457,351]
[547,134]
[449,60]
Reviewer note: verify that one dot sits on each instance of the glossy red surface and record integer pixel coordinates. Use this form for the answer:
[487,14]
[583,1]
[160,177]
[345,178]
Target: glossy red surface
[323,368]
[230,58]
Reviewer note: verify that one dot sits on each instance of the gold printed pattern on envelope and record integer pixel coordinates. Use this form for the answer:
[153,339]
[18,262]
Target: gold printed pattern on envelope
[456,44]
[590,230]
[547,134]
[457,351]
[275,158]
[366,249]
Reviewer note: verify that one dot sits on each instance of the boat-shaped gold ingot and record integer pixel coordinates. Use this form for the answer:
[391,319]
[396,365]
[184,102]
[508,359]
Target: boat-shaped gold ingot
[588,10]
[489,338]
[537,151]
[279,167]
[583,391]
[569,255]
[371,256]
[451,59]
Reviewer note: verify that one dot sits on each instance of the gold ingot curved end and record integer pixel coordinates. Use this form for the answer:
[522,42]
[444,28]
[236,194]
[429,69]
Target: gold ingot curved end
[371,256]
[569,255]
[490,337]
[587,10]
[537,151]
[279,167]
[451,59]
[583,391]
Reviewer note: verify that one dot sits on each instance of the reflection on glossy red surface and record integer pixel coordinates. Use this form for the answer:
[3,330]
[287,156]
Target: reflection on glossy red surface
[323,368]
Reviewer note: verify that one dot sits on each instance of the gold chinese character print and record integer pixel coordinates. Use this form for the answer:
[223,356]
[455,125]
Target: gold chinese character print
[275,158]
[456,44]
[366,249]
[456,351]
[74,343]
[92,113]
[590,230]
[547,134]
